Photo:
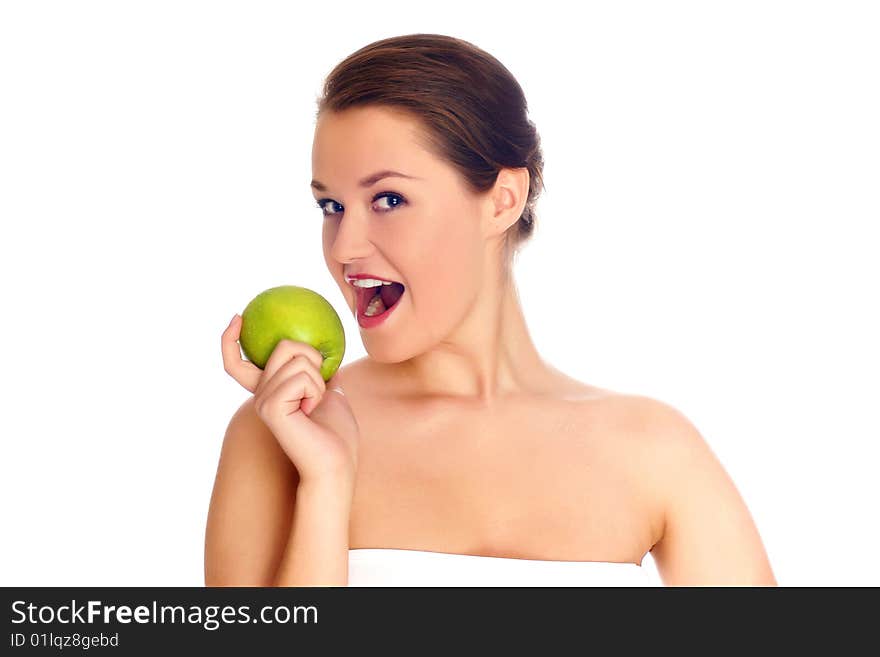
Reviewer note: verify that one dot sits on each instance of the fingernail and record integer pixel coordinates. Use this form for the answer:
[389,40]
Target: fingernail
[339,390]
[233,318]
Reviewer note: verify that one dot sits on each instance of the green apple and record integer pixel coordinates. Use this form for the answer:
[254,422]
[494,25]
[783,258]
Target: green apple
[295,313]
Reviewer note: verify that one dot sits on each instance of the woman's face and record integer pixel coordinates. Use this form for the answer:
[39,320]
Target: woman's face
[424,232]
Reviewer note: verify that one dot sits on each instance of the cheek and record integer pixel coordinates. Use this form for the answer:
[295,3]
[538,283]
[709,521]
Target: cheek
[445,265]
[445,236]
[328,234]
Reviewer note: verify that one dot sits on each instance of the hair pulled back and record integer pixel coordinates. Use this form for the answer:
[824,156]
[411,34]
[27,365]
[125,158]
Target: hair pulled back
[472,110]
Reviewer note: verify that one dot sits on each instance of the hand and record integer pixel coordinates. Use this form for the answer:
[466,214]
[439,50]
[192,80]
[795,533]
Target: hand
[317,431]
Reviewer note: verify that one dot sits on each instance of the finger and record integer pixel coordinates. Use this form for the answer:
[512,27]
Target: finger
[245,372]
[298,364]
[284,351]
[295,393]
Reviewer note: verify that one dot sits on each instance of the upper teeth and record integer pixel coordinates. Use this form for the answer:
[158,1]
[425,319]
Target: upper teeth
[368,282]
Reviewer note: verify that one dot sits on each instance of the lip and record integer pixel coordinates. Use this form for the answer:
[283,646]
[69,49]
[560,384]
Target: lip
[360,304]
[370,322]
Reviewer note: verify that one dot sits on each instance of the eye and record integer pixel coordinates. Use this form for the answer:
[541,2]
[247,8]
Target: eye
[393,200]
[390,196]
[323,209]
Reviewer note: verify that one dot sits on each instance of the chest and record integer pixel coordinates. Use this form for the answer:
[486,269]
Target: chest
[531,480]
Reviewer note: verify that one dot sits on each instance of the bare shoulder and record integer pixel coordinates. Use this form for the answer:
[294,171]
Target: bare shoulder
[675,453]
[657,425]
[642,435]
[662,443]
[350,375]
[248,442]
[709,536]
[251,504]
[636,420]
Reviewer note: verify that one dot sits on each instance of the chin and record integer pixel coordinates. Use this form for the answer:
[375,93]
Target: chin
[387,355]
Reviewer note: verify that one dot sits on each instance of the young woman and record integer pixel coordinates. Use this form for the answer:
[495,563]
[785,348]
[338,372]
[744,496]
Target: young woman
[452,448]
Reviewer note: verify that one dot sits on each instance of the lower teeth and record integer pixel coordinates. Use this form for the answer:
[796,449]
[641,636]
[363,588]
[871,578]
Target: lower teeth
[375,307]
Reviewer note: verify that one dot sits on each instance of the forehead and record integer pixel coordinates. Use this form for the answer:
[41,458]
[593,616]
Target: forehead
[348,143]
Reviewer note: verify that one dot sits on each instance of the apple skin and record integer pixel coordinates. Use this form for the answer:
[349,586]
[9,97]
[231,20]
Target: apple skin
[295,313]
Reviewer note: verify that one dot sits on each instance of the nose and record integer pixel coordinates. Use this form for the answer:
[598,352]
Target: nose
[349,238]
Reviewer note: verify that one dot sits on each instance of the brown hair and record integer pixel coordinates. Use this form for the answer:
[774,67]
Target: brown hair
[473,110]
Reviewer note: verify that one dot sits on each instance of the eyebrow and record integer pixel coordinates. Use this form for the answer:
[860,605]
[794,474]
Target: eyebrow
[370,180]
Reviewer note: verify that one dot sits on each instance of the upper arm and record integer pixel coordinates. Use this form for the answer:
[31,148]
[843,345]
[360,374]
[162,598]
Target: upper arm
[251,506]
[709,537]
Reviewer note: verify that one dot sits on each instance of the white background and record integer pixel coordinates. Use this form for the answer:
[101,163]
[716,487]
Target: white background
[706,238]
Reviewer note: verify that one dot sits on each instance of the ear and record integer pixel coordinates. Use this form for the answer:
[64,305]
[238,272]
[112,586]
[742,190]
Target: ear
[507,200]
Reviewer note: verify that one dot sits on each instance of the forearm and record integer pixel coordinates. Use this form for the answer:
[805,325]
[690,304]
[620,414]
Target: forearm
[317,548]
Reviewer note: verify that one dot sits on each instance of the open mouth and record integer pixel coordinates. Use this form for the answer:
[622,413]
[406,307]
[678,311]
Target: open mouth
[375,301]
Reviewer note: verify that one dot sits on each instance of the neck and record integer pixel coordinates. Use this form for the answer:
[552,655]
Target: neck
[488,356]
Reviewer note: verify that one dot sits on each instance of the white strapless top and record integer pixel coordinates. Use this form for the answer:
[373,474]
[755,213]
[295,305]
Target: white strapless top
[403,567]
